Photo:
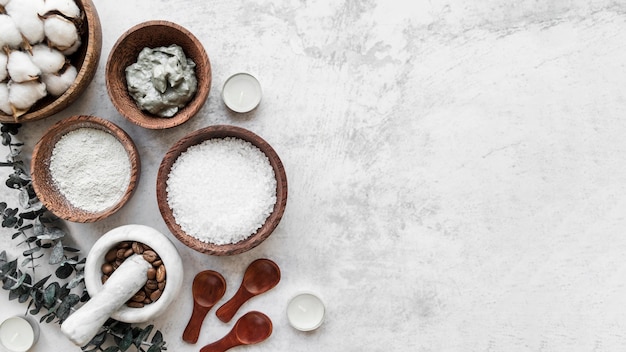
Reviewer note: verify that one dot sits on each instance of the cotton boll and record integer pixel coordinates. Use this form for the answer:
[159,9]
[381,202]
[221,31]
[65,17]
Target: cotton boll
[4,2]
[49,60]
[25,13]
[23,95]
[11,35]
[21,68]
[74,48]
[66,7]
[3,66]
[57,84]
[5,107]
[61,32]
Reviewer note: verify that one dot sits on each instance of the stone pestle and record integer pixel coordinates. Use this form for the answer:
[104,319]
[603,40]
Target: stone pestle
[81,326]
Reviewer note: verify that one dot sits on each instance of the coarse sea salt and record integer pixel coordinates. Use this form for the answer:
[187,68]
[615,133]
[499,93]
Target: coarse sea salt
[222,190]
[90,168]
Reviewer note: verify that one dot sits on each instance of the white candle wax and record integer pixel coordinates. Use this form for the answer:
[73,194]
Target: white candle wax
[16,334]
[241,92]
[305,312]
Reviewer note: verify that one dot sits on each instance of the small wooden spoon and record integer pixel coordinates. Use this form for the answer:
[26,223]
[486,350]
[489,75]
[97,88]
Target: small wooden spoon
[253,327]
[260,276]
[207,289]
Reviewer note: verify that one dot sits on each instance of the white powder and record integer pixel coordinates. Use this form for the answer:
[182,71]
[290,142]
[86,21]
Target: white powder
[221,190]
[90,168]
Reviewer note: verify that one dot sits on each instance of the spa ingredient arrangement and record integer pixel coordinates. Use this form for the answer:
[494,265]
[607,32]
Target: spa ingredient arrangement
[85,168]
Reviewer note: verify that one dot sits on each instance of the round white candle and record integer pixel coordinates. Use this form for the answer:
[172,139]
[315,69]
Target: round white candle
[305,312]
[241,92]
[16,334]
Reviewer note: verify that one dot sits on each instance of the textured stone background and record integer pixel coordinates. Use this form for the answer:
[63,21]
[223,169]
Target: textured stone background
[456,169]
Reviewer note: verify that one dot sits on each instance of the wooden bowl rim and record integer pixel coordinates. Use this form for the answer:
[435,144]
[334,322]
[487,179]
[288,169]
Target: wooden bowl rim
[152,121]
[85,75]
[47,192]
[222,131]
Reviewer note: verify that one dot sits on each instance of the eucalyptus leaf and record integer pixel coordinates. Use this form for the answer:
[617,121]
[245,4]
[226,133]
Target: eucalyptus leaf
[19,282]
[14,294]
[41,282]
[52,233]
[24,297]
[24,198]
[9,221]
[9,268]
[157,338]
[38,228]
[49,295]
[65,308]
[26,261]
[31,251]
[6,138]
[56,256]
[64,271]
[143,335]
[98,340]
[112,349]
[76,281]
[3,257]
[126,341]
[154,348]
[44,317]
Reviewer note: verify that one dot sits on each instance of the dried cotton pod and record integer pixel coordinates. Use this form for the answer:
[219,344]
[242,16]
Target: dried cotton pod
[11,36]
[3,66]
[21,68]
[24,95]
[60,32]
[58,83]
[25,13]
[67,8]
[5,107]
[49,60]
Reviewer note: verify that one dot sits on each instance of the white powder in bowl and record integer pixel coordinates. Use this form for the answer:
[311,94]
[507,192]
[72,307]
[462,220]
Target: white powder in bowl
[91,168]
[222,190]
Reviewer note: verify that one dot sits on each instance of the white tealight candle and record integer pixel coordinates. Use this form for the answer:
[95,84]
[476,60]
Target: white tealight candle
[17,334]
[241,92]
[305,312]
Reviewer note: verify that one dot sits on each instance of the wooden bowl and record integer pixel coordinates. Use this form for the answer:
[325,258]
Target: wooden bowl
[199,136]
[86,62]
[154,34]
[44,186]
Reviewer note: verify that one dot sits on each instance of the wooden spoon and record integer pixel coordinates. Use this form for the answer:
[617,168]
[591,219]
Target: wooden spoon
[260,276]
[253,327]
[208,287]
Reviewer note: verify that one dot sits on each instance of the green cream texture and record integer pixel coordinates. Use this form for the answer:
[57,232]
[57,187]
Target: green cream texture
[162,81]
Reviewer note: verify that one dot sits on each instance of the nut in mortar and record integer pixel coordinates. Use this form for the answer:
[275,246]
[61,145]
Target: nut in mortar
[156,276]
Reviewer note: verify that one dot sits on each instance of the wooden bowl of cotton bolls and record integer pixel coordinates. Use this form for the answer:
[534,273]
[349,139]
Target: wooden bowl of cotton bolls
[49,54]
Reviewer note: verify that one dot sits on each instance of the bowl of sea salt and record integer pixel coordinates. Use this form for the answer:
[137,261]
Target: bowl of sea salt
[222,190]
[85,168]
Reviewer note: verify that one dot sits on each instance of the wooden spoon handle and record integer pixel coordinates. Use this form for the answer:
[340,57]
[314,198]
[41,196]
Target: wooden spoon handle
[228,310]
[225,343]
[192,331]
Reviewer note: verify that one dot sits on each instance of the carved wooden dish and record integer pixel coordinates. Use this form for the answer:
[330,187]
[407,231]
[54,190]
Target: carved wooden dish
[86,62]
[199,136]
[154,34]
[44,185]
